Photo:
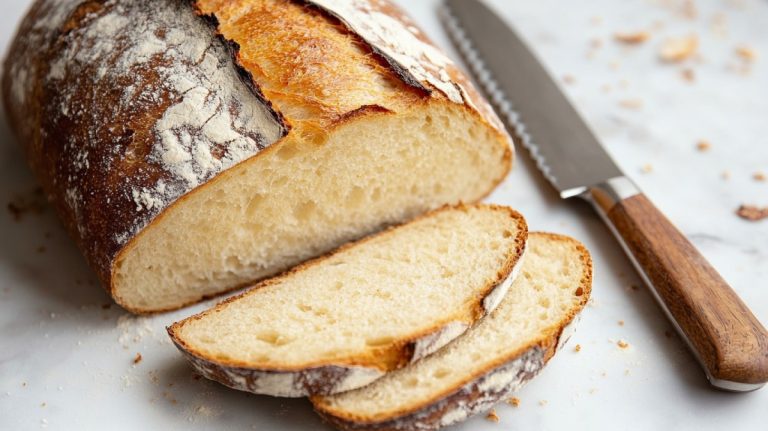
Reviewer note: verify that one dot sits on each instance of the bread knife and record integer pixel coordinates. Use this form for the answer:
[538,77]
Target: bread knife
[725,337]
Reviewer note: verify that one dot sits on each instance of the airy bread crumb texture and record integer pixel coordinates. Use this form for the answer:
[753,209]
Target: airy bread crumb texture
[304,197]
[553,286]
[363,303]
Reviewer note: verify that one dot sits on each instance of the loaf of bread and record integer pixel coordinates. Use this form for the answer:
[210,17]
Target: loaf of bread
[490,361]
[342,321]
[192,147]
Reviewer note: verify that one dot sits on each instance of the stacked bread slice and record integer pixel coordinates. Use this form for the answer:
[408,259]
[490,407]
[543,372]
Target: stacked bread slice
[417,327]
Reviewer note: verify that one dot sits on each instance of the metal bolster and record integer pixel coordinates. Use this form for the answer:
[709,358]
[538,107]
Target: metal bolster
[607,194]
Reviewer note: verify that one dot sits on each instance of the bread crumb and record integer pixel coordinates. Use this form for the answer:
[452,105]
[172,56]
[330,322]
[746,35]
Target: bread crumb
[43,404]
[631,103]
[621,323]
[577,348]
[23,384]
[689,9]
[746,53]
[647,168]
[514,402]
[752,213]
[758,176]
[631,38]
[29,203]
[726,175]
[569,79]
[492,416]
[626,372]
[137,359]
[543,403]
[622,344]
[703,145]
[596,43]
[678,49]
[688,75]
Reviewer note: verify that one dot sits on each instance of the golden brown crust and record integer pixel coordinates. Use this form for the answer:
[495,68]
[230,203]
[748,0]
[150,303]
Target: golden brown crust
[467,394]
[96,148]
[383,359]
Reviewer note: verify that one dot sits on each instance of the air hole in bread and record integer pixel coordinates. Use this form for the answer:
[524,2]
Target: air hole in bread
[379,341]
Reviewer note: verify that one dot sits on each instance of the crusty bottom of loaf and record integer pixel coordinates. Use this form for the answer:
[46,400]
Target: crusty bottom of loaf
[490,361]
[305,196]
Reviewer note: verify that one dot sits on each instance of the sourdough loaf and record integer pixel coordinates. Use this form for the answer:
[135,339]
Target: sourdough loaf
[490,361]
[344,320]
[191,147]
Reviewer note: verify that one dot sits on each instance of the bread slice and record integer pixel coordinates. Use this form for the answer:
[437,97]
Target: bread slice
[194,147]
[343,321]
[490,361]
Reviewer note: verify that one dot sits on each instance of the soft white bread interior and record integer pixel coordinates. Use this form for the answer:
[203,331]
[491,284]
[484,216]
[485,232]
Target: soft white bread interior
[341,321]
[303,198]
[489,361]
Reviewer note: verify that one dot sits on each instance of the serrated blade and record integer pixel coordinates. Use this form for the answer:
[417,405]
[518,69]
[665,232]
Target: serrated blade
[528,99]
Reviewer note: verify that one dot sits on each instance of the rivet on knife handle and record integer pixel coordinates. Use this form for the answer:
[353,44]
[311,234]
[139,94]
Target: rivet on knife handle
[725,336]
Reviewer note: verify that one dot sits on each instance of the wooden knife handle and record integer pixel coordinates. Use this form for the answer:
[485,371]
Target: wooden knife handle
[726,337]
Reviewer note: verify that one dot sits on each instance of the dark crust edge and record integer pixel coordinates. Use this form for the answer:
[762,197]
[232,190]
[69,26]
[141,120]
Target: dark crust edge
[428,416]
[406,348]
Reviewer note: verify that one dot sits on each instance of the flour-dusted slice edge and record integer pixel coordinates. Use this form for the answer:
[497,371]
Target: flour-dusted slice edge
[331,378]
[483,387]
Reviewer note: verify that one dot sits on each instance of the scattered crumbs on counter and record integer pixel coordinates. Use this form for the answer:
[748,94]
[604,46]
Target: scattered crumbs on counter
[169,396]
[23,384]
[604,374]
[726,175]
[689,9]
[614,65]
[622,344]
[28,203]
[43,404]
[647,168]
[569,79]
[631,103]
[688,75]
[543,403]
[128,381]
[746,53]
[577,348]
[759,176]
[137,359]
[596,43]
[620,322]
[703,145]
[631,38]
[514,402]
[492,416]
[677,49]
[752,213]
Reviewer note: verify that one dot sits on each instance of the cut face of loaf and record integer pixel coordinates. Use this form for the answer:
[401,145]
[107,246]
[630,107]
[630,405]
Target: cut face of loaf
[487,363]
[193,147]
[342,321]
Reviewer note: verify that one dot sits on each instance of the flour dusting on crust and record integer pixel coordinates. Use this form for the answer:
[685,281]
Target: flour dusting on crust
[150,105]
[397,39]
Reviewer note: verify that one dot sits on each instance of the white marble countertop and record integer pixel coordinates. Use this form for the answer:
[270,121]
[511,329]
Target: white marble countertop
[66,355]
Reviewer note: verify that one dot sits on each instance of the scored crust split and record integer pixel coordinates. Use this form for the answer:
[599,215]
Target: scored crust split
[344,320]
[193,147]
